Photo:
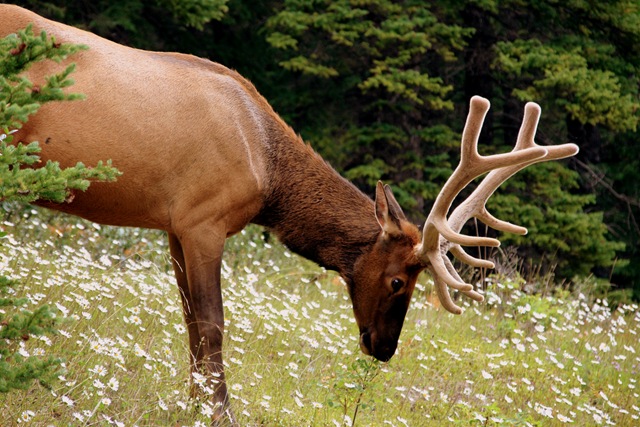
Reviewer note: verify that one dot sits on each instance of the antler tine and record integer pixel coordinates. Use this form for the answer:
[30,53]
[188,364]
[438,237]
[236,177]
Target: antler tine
[432,250]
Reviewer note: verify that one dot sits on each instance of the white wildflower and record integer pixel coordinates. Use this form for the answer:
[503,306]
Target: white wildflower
[113,384]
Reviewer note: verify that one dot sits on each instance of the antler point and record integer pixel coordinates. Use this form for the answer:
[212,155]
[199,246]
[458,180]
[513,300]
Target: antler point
[480,102]
[532,106]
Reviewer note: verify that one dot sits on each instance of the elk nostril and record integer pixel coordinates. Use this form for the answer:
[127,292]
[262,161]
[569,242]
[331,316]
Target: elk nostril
[365,343]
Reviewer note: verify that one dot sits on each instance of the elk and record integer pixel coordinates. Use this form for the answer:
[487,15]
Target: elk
[203,154]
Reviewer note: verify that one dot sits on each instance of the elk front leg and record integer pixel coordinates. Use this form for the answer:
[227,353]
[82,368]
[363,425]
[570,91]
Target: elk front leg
[202,299]
[180,270]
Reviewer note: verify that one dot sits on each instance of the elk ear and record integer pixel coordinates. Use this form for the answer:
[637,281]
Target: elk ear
[388,211]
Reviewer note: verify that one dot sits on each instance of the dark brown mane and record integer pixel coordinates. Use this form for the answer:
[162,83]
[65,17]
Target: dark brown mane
[312,209]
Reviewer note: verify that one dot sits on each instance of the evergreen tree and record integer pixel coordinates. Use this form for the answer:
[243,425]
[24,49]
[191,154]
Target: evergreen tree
[155,25]
[19,98]
[579,60]
[373,99]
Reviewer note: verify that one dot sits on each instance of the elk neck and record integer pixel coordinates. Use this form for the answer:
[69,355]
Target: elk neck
[313,210]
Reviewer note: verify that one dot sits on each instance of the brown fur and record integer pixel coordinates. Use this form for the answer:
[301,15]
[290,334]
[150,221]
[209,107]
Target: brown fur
[202,155]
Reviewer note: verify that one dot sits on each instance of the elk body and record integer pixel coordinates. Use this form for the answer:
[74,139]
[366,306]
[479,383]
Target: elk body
[203,154]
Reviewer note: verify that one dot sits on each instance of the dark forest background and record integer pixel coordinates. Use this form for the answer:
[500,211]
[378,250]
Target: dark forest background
[381,89]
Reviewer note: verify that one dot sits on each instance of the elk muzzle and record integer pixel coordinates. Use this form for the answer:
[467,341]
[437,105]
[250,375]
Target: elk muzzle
[371,344]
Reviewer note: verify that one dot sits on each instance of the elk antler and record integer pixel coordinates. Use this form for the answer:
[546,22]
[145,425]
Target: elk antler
[441,235]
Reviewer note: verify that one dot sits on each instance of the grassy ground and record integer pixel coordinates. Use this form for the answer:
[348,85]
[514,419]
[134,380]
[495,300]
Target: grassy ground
[291,347]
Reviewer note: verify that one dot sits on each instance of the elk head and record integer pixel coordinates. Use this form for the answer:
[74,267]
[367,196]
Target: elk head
[380,309]
[387,274]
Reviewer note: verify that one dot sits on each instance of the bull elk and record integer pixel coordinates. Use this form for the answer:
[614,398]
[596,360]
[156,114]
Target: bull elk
[203,154]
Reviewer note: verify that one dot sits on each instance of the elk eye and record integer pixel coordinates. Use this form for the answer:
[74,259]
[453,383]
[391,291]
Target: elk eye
[397,284]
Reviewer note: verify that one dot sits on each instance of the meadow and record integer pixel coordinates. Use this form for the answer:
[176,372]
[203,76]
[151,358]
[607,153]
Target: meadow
[291,346]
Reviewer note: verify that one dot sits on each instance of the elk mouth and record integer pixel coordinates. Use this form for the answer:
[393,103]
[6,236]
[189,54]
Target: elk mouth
[380,351]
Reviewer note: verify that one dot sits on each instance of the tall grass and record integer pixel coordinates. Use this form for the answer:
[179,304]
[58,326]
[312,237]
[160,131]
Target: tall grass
[291,344]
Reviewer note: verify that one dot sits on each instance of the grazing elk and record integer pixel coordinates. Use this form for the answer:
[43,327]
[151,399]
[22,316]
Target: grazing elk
[203,154]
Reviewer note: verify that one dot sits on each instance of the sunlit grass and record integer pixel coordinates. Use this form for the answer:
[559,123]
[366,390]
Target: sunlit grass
[291,344]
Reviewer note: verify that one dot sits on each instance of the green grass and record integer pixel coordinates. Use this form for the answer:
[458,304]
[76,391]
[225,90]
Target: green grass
[291,344]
